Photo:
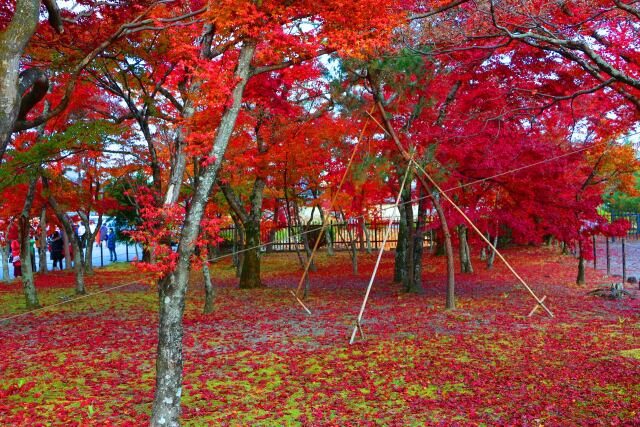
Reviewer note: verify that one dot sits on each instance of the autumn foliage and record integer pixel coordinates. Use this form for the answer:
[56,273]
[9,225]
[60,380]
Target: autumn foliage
[513,122]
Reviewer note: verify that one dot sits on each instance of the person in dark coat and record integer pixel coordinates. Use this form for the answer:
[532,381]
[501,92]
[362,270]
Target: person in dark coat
[111,244]
[57,249]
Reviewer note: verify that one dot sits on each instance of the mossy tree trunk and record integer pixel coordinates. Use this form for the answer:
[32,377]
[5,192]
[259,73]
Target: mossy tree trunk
[5,257]
[209,292]
[492,253]
[89,240]
[400,266]
[249,222]
[465,255]
[172,288]
[28,285]
[408,213]
[64,219]
[13,41]
[418,245]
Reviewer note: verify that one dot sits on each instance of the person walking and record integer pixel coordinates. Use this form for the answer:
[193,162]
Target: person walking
[15,258]
[111,244]
[57,250]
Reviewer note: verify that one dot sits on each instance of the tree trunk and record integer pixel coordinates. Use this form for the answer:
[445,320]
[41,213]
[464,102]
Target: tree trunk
[209,292]
[30,294]
[451,268]
[13,41]
[400,267]
[410,242]
[67,254]
[305,239]
[250,222]
[250,275]
[238,245]
[580,279]
[75,245]
[42,247]
[172,289]
[78,267]
[89,239]
[492,253]
[468,252]
[169,359]
[367,238]
[353,252]
[418,246]
[6,253]
[465,257]
[439,248]
[327,232]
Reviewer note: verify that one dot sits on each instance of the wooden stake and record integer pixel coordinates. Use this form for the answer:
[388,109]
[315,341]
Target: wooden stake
[535,307]
[300,301]
[324,221]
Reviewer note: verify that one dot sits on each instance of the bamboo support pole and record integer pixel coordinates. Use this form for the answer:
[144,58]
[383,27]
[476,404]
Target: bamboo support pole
[535,307]
[390,131]
[324,221]
[483,237]
[358,325]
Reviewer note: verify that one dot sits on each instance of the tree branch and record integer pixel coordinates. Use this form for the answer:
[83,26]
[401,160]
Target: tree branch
[437,10]
[291,62]
[234,202]
[122,31]
[55,20]
[35,79]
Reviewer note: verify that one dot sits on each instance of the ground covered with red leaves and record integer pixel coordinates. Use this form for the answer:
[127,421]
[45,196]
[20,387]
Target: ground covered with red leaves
[260,360]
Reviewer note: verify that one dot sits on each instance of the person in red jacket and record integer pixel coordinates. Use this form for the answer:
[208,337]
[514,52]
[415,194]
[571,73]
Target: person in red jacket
[15,258]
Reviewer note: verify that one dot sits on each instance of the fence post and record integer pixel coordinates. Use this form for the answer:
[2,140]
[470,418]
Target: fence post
[608,258]
[624,264]
[127,249]
[101,256]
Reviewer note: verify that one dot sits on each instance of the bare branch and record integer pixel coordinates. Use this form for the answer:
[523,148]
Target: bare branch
[437,10]
[291,62]
[124,30]
[628,8]
[171,98]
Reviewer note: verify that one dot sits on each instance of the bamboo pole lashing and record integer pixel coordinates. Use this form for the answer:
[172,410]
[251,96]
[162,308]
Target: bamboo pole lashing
[324,222]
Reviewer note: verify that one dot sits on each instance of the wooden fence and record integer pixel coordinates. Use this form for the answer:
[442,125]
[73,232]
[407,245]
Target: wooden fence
[290,239]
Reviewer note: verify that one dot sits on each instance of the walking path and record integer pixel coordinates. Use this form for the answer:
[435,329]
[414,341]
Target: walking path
[97,258]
